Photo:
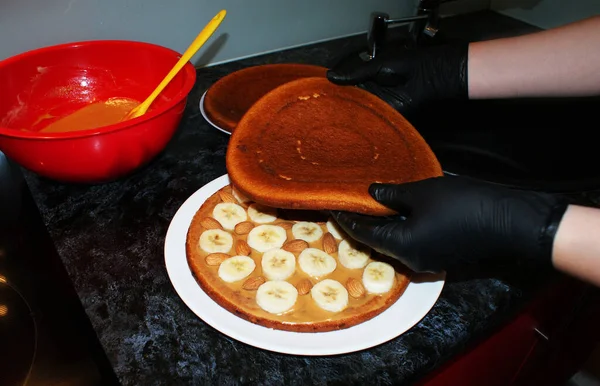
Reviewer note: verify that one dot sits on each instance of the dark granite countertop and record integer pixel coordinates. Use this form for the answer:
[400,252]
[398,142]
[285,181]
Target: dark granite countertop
[111,237]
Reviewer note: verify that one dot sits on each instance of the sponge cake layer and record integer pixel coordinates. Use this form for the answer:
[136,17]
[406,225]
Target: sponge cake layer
[311,144]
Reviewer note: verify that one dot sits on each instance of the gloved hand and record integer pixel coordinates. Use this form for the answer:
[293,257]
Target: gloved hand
[408,78]
[453,221]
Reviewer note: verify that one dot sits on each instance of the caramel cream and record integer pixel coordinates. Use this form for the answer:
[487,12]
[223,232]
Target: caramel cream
[94,115]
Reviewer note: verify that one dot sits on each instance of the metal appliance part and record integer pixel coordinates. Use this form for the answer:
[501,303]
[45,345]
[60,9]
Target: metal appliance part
[425,24]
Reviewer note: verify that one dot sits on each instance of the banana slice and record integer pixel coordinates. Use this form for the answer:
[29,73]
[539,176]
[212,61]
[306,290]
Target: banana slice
[262,214]
[229,214]
[378,277]
[278,264]
[215,241]
[330,295]
[316,262]
[276,296]
[307,231]
[236,268]
[265,237]
[239,196]
[335,229]
[353,255]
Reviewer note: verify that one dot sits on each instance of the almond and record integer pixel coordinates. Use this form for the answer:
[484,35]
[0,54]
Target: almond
[242,248]
[355,287]
[216,258]
[227,197]
[304,287]
[329,244]
[210,223]
[295,246]
[253,283]
[285,225]
[243,228]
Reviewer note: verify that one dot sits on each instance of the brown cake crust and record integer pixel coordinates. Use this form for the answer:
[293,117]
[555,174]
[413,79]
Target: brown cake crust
[239,301]
[228,99]
[311,144]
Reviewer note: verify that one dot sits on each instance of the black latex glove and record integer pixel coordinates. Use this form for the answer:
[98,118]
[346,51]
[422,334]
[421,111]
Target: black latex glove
[454,221]
[408,78]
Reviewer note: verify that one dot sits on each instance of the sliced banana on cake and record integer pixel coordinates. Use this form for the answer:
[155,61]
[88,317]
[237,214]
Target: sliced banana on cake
[236,268]
[239,196]
[278,264]
[378,277]
[215,241]
[265,237]
[276,296]
[353,255]
[262,214]
[330,295]
[307,231]
[335,229]
[316,262]
[229,214]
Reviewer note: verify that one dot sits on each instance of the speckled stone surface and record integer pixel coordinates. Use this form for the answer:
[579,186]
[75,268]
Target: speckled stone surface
[111,240]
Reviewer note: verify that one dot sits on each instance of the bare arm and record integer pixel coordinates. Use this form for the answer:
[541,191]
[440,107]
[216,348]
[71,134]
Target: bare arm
[563,61]
[577,244]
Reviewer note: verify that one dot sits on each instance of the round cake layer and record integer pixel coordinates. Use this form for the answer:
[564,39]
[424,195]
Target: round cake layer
[239,297]
[228,99]
[310,144]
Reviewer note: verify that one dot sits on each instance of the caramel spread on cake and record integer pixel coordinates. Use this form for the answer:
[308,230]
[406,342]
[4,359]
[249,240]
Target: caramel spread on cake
[311,144]
[228,99]
[304,276]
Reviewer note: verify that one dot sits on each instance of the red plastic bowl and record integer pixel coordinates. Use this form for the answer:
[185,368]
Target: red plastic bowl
[59,80]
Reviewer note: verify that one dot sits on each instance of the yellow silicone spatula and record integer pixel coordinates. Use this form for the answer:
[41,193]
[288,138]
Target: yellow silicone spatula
[187,55]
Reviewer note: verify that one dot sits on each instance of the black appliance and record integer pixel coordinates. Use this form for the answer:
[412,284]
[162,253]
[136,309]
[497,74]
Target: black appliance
[45,335]
[543,144]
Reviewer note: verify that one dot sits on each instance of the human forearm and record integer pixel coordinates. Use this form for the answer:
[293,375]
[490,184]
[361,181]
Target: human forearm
[562,61]
[577,244]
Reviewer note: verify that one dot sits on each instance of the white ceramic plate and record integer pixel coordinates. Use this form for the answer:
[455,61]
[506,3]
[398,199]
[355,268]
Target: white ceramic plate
[206,116]
[420,295]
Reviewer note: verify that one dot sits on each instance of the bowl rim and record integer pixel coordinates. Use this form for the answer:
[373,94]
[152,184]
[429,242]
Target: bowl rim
[188,69]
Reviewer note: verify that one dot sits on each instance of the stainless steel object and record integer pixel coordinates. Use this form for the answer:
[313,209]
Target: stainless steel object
[424,24]
[541,334]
